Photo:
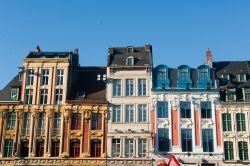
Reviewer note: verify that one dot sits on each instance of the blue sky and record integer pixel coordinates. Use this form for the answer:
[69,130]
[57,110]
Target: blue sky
[179,31]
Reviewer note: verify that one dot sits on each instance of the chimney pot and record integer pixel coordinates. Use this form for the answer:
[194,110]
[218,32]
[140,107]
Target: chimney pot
[75,51]
[38,48]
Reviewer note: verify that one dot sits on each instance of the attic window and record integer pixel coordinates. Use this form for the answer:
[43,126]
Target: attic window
[225,77]
[14,94]
[130,61]
[130,50]
[242,77]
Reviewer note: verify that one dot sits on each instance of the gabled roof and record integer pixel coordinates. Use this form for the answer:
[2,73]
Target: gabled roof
[118,55]
[6,91]
[86,88]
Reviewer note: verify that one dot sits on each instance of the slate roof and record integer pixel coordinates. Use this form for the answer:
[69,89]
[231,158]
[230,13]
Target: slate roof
[142,56]
[233,68]
[86,88]
[41,54]
[6,91]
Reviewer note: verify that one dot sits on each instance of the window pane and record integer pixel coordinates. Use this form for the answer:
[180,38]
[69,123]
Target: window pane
[142,147]
[10,121]
[116,116]
[226,118]
[116,147]
[129,87]
[185,108]
[206,111]
[142,87]
[129,147]
[162,109]
[228,150]
[241,123]
[207,139]
[142,113]
[116,87]
[8,147]
[186,140]
[163,140]
[129,113]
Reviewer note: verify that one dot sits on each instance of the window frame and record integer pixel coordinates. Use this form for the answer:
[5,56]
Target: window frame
[162,109]
[142,87]
[96,121]
[59,77]
[129,147]
[186,140]
[14,92]
[129,113]
[116,114]
[10,121]
[116,147]
[116,87]
[142,147]
[206,109]
[142,113]
[227,122]
[243,150]
[74,148]
[8,148]
[229,150]
[45,77]
[241,122]
[59,96]
[207,140]
[76,118]
[129,87]
[185,109]
[30,77]
[163,140]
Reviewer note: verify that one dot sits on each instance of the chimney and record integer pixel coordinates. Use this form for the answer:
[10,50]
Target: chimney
[75,51]
[148,47]
[209,60]
[38,49]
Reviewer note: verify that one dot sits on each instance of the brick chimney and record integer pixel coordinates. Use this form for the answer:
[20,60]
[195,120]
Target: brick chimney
[209,60]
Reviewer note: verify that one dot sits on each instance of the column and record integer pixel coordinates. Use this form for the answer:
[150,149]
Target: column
[123,146]
[104,135]
[218,126]
[32,140]
[48,127]
[136,145]
[17,141]
[197,128]
[175,128]
[86,135]
[3,115]
[66,132]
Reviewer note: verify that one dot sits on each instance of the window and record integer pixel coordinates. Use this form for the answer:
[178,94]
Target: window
[59,95]
[207,139]
[185,109]
[30,76]
[247,94]
[228,150]
[57,123]
[116,87]
[10,121]
[142,88]
[241,122]
[74,148]
[227,125]
[41,124]
[243,150]
[162,109]
[76,121]
[29,96]
[183,75]
[129,147]
[26,123]
[225,77]
[130,61]
[59,80]
[44,96]
[116,116]
[8,146]
[206,111]
[242,77]
[231,94]
[130,50]
[95,148]
[45,77]
[163,139]
[96,122]
[186,140]
[39,148]
[129,87]
[20,76]
[129,113]
[116,147]
[55,148]
[142,147]
[14,94]
[203,76]
[24,148]
[142,113]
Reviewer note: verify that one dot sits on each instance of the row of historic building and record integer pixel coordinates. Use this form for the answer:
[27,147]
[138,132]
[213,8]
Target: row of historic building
[56,112]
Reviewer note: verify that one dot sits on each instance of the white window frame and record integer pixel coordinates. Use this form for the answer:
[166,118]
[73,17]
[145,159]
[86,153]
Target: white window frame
[45,77]
[59,96]
[142,147]
[59,77]
[142,113]
[14,92]
[129,87]
[116,114]
[129,147]
[30,76]
[129,113]
[142,87]
[44,94]
[116,151]
[29,96]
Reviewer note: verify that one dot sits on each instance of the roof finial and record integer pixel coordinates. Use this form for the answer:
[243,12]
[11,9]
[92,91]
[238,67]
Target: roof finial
[209,58]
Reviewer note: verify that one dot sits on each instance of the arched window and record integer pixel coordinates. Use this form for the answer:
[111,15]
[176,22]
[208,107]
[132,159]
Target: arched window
[161,77]
[184,80]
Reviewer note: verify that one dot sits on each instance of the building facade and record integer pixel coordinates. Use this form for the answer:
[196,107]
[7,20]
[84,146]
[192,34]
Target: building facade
[129,82]
[50,115]
[187,118]
[234,79]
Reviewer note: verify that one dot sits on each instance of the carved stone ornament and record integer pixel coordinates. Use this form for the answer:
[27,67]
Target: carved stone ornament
[66,115]
[34,113]
[3,113]
[50,113]
[20,114]
[86,114]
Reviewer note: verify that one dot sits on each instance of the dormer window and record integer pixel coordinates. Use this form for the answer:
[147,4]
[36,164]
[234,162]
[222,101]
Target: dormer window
[130,50]
[14,94]
[225,77]
[247,94]
[130,61]
[184,80]
[231,96]
[203,75]
[242,77]
[183,75]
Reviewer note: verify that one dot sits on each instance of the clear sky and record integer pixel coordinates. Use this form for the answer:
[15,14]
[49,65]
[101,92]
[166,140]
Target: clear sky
[180,31]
